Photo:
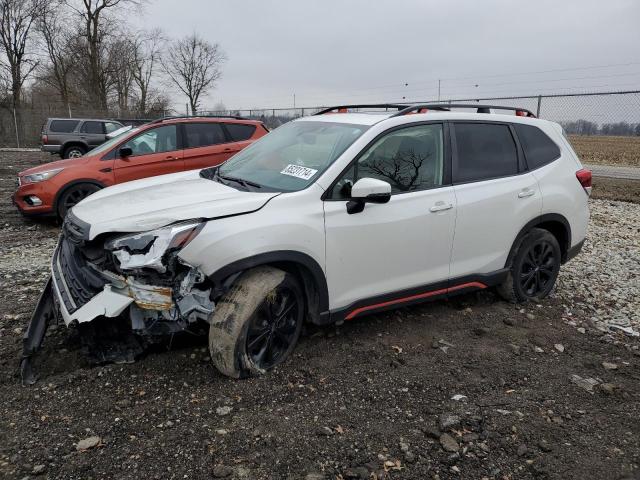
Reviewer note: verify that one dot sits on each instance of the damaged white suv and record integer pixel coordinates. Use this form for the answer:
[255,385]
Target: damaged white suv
[325,219]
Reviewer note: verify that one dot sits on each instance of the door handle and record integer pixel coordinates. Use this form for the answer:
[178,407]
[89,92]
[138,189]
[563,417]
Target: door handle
[171,159]
[440,206]
[526,192]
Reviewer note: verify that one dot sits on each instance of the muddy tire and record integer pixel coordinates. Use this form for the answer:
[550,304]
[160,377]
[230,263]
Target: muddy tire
[534,268]
[256,325]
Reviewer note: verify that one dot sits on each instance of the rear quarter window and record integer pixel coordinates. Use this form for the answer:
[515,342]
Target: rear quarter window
[239,131]
[484,151]
[63,126]
[539,149]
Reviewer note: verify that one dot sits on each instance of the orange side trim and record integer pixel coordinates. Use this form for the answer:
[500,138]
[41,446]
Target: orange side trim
[432,293]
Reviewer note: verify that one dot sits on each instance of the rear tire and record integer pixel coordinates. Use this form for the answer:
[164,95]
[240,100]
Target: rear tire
[74,151]
[73,195]
[256,325]
[535,264]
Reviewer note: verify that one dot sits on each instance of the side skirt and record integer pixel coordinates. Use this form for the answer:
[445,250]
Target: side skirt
[413,296]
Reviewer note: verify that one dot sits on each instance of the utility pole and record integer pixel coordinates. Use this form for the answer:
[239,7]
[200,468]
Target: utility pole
[294,101]
[438,89]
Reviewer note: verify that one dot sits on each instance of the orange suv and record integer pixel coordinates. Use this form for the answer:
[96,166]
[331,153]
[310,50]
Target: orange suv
[167,145]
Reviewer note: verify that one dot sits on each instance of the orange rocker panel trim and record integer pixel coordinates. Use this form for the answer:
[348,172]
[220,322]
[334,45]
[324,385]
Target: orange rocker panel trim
[432,293]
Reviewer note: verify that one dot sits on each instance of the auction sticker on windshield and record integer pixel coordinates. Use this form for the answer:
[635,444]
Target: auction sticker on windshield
[299,172]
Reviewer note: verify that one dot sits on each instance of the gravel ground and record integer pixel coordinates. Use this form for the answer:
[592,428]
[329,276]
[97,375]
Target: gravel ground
[467,389]
[605,279]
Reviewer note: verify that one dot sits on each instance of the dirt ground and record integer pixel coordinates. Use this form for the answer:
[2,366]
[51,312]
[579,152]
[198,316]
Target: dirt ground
[374,398]
[616,189]
[607,150]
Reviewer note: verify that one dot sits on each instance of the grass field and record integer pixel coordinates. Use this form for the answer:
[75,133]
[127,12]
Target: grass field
[602,150]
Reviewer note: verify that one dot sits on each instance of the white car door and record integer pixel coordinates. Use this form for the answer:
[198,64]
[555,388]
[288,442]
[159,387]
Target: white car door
[398,251]
[494,197]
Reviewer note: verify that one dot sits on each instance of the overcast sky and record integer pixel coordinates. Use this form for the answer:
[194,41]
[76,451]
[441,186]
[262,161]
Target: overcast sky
[355,51]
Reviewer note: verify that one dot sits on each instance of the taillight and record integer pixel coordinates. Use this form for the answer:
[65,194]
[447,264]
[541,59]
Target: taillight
[584,177]
[45,139]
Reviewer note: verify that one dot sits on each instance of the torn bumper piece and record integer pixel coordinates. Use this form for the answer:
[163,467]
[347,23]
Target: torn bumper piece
[32,339]
[114,299]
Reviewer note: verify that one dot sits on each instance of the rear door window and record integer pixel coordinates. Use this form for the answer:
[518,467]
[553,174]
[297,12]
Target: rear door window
[484,151]
[240,131]
[63,126]
[539,149]
[92,127]
[203,134]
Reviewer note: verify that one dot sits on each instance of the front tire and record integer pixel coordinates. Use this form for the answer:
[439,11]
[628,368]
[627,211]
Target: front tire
[256,325]
[535,266]
[73,195]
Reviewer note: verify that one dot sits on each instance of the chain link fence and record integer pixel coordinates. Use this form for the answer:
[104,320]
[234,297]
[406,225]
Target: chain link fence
[604,127]
[22,127]
[600,113]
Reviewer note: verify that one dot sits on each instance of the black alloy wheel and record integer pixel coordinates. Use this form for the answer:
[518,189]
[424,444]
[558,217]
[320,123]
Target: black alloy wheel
[534,265]
[538,269]
[273,330]
[73,196]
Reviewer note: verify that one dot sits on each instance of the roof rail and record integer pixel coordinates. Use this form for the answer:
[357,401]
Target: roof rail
[397,106]
[174,117]
[522,112]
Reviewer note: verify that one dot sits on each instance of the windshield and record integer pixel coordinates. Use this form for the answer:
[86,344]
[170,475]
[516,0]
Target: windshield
[111,142]
[292,156]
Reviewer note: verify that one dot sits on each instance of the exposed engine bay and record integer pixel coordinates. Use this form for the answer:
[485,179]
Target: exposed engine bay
[136,280]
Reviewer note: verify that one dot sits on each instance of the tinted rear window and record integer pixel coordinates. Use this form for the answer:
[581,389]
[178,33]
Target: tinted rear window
[484,151]
[203,134]
[539,149]
[92,127]
[240,132]
[63,126]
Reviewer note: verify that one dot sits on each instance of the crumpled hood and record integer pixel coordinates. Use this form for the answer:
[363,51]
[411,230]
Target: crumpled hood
[154,202]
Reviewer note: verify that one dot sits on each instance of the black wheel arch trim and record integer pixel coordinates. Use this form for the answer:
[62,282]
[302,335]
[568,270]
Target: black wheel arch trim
[541,220]
[231,271]
[71,184]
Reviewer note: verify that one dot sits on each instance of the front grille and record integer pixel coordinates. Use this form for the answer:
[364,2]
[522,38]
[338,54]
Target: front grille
[77,282]
[74,229]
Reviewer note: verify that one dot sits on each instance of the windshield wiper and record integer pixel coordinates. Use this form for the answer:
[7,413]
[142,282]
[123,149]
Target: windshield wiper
[241,181]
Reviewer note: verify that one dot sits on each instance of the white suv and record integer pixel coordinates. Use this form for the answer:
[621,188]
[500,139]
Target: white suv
[326,219]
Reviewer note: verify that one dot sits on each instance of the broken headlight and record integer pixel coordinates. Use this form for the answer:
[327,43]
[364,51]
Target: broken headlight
[147,249]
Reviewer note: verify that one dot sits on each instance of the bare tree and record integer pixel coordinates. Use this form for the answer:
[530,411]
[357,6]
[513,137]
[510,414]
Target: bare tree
[94,15]
[194,65]
[147,50]
[59,42]
[404,169]
[17,18]
[121,61]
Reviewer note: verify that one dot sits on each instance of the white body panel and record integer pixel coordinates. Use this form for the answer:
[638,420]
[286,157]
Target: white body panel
[560,193]
[388,247]
[158,201]
[490,215]
[292,221]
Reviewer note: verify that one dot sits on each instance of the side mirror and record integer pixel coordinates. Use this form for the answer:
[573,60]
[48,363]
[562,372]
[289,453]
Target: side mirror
[368,190]
[125,152]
